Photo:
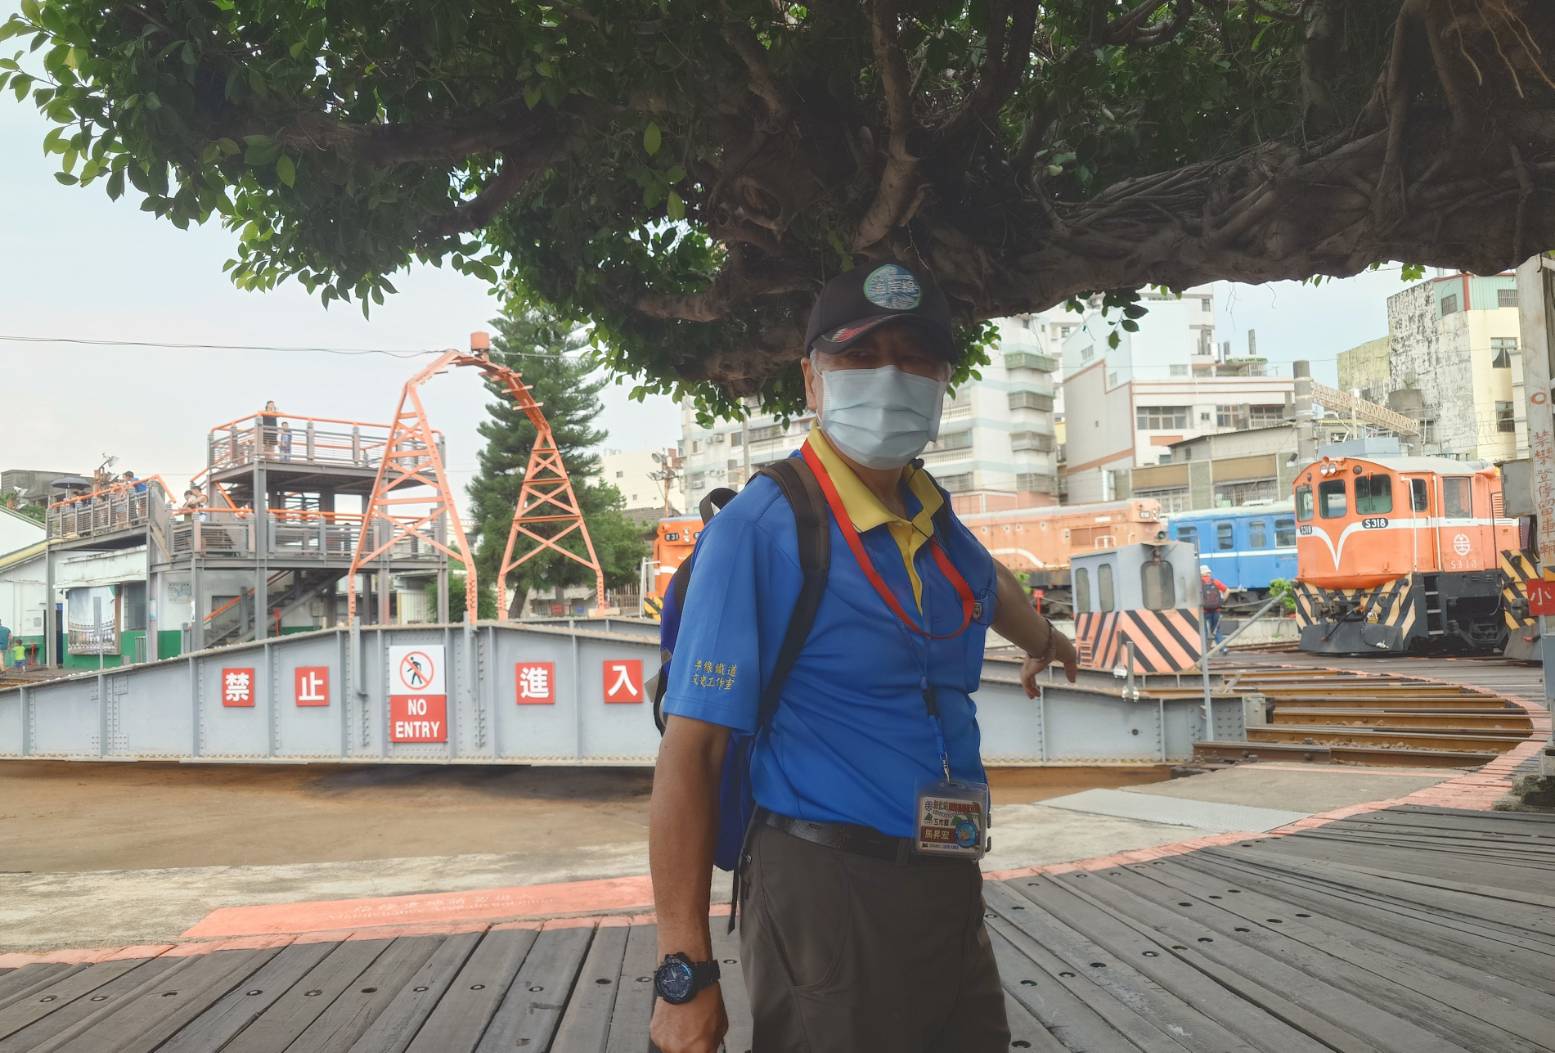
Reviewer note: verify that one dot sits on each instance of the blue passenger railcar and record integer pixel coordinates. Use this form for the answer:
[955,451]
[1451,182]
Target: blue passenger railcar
[1244,547]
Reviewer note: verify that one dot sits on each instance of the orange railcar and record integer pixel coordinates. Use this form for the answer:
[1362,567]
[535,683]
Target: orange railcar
[673,541]
[1400,554]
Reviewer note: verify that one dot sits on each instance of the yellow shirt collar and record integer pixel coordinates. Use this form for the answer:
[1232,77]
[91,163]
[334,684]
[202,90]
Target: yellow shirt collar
[865,509]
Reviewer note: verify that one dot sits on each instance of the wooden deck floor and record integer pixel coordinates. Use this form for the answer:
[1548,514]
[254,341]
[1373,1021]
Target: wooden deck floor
[1406,929]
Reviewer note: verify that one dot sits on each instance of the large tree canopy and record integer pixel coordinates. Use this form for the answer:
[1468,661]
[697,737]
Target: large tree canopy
[686,172]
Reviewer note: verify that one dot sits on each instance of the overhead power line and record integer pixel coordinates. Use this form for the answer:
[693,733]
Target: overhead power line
[175,346]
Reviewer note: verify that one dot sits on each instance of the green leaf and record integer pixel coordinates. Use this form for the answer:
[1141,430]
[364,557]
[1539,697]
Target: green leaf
[533,94]
[116,185]
[285,170]
[675,206]
[652,138]
[1113,339]
[72,59]
[65,178]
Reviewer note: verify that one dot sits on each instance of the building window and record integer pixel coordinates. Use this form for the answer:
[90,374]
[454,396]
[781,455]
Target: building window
[1457,498]
[132,606]
[1159,418]
[1030,400]
[620,475]
[1024,441]
[1104,587]
[956,440]
[1257,533]
[1268,415]
[1506,297]
[1449,305]
[1225,536]
[1156,587]
[1231,418]
[766,432]
[1502,348]
[1087,352]
[1505,420]
[1177,370]
[1082,590]
[1170,500]
[1245,492]
[1034,483]
[1285,530]
[696,445]
[956,484]
[1374,495]
[736,439]
[1331,499]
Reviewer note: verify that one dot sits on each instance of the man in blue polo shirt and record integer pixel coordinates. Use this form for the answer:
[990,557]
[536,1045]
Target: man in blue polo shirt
[862,924]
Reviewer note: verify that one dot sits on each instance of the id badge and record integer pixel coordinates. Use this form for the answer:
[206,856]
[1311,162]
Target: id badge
[953,819]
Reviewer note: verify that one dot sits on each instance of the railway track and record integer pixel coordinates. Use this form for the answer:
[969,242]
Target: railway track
[1357,716]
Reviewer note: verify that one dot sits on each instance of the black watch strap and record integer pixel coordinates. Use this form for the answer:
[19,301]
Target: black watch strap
[704,974]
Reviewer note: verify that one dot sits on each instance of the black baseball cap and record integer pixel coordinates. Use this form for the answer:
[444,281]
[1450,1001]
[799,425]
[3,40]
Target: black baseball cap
[869,296]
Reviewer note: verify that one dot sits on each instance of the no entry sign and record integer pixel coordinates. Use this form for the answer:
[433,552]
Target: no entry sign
[418,701]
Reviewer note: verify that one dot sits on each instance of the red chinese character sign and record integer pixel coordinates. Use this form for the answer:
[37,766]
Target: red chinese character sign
[310,685]
[237,688]
[535,683]
[418,700]
[1541,597]
[624,680]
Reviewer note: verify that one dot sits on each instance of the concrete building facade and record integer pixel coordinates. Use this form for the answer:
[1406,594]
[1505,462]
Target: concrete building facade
[639,476]
[996,447]
[1364,368]
[1126,406]
[1454,340]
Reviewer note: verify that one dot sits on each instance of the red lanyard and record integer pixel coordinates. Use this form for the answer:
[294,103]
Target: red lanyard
[850,535]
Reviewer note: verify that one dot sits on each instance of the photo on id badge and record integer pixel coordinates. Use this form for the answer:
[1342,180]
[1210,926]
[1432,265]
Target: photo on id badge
[953,819]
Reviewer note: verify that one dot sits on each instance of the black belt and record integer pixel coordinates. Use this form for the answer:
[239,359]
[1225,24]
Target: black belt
[846,837]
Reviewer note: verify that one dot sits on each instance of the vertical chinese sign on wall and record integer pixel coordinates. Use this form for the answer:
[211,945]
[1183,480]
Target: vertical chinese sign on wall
[418,700]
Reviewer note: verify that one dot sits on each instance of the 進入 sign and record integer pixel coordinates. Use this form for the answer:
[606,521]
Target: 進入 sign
[418,699]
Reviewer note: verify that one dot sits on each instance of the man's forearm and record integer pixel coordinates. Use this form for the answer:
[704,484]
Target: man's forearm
[1015,619]
[682,828]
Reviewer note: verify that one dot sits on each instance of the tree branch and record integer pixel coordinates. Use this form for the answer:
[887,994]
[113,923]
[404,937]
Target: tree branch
[1003,66]
[740,37]
[899,177]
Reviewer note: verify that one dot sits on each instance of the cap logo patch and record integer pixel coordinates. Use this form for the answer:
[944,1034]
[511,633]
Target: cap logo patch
[893,287]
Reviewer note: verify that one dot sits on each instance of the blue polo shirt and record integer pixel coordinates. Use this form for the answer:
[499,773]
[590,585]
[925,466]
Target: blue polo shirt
[851,740]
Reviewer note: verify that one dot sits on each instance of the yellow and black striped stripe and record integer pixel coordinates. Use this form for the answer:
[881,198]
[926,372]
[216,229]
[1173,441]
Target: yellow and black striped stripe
[653,607]
[1163,641]
[1517,570]
[1392,603]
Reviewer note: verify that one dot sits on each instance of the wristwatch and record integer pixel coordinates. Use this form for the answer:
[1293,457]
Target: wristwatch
[678,978]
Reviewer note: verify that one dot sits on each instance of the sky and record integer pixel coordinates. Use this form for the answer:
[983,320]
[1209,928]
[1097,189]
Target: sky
[75,265]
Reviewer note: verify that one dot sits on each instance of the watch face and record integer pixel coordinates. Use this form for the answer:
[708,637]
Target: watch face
[674,981]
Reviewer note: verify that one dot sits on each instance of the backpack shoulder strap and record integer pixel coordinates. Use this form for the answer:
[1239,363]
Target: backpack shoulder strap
[813,524]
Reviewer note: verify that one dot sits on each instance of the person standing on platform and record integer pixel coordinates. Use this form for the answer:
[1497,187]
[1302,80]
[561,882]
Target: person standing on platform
[286,441]
[1213,596]
[861,919]
[267,428]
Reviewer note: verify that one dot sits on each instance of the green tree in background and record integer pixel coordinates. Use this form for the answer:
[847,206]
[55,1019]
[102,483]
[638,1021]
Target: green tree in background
[548,351]
[485,603]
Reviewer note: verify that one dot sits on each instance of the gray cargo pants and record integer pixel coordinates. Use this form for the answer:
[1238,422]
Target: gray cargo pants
[844,953]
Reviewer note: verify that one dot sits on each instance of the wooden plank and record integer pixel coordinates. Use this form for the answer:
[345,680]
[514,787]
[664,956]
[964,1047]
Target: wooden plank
[1026,1031]
[634,1001]
[1495,873]
[1259,1016]
[289,1016]
[339,1026]
[242,1005]
[460,1018]
[1062,1013]
[112,994]
[585,1027]
[141,1024]
[70,985]
[1263,961]
[737,1003]
[1468,1013]
[19,983]
[1525,975]
[398,1024]
[528,1014]
[1189,1022]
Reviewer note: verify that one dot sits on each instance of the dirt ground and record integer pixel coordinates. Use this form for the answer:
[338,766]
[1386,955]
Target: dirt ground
[63,817]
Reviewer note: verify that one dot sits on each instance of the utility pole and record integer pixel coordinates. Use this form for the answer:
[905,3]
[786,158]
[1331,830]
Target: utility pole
[1536,306]
[1306,437]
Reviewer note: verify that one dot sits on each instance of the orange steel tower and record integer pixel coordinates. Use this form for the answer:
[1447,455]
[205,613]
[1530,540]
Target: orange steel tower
[547,508]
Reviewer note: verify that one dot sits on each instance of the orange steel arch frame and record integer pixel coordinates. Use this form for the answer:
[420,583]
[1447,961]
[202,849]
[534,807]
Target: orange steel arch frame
[546,499]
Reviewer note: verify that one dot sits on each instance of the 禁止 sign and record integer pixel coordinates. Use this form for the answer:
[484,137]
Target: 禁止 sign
[535,683]
[418,700]
[237,688]
[624,680]
[310,685]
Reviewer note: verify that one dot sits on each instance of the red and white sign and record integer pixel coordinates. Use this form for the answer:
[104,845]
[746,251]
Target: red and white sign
[237,688]
[310,685]
[535,683]
[1541,597]
[418,701]
[624,680]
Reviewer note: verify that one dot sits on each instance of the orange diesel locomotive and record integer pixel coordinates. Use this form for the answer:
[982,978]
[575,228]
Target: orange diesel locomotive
[1400,554]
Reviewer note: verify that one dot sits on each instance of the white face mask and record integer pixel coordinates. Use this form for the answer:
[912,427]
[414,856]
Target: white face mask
[882,418]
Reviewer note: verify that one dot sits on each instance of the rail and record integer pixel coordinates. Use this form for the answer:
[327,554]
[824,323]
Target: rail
[285,534]
[273,437]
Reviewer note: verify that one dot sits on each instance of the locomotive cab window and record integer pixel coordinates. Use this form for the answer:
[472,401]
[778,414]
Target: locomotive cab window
[1303,503]
[1104,587]
[1156,586]
[1082,591]
[1330,498]
[1257,533]
[1284,532]
[1373,495]
[1418,501]
[1457,498]
[1224,536]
